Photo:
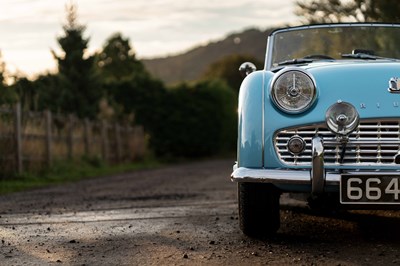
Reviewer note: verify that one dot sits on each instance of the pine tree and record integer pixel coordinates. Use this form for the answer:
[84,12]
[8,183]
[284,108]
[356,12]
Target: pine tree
[79,91]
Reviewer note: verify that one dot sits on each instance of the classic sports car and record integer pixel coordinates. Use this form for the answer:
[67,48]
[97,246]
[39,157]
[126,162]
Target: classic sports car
[322,118]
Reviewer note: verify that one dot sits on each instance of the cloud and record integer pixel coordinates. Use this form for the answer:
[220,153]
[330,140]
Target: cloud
[180,23]
[155,28]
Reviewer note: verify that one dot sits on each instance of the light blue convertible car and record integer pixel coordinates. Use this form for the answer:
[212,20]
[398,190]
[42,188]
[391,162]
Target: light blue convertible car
[322,118]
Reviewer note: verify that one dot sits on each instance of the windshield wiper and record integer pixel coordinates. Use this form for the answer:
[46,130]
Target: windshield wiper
[295,61]
[364,56]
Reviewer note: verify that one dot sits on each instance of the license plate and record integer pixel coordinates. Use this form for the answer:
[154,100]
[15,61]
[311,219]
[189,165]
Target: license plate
[370,189]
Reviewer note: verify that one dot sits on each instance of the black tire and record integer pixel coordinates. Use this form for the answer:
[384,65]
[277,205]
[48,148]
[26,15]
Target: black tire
[258,209]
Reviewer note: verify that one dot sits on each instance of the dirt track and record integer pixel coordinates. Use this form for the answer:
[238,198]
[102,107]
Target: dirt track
[179,215]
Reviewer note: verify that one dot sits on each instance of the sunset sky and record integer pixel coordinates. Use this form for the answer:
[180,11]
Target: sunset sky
[29,28]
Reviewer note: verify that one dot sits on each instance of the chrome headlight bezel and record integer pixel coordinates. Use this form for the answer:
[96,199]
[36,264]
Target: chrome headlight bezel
[305,77]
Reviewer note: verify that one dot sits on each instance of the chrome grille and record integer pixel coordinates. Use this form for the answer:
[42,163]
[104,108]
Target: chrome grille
[372,143]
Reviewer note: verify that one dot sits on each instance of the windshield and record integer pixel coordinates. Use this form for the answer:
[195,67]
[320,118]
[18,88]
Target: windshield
[333,42]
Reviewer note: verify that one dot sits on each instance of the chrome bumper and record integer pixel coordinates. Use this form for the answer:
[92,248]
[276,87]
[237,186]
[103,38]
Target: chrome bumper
[296,177]
[281,176]
[316,177]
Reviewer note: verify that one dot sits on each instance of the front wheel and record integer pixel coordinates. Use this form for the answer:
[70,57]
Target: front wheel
[258,209]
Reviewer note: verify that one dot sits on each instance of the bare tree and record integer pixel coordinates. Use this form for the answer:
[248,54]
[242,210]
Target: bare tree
[335,11]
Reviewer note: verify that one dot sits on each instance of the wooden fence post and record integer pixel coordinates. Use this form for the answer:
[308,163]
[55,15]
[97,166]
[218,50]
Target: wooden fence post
[86,136]
[118,143]
[141,147]
[133,137]
[18,138]
[49,138]
[104,139]
[70,137]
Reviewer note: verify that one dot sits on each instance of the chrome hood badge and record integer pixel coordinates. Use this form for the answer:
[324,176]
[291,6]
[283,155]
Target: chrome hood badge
[394,85]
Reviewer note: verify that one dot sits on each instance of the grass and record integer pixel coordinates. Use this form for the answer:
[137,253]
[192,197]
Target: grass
[69,171]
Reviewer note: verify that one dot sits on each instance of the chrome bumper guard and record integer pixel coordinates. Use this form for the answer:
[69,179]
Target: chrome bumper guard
[316,177]
[317,170]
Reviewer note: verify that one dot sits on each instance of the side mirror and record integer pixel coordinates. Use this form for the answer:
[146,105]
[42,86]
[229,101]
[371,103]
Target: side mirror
[246,68]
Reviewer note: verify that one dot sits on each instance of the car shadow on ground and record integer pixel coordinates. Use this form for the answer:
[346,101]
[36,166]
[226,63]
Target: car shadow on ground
[380,225]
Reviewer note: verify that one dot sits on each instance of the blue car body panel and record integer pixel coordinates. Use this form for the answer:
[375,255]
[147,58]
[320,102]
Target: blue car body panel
[250,134]
[361,83]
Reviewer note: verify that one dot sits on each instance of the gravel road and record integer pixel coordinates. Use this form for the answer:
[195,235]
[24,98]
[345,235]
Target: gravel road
[180,215]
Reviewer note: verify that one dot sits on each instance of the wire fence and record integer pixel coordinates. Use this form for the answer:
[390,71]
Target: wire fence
[33,140]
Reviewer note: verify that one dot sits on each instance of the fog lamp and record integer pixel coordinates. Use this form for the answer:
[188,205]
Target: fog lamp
[296,145]
[342,118]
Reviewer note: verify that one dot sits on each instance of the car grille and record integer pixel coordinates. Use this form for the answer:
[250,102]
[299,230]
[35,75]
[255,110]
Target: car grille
[372,143]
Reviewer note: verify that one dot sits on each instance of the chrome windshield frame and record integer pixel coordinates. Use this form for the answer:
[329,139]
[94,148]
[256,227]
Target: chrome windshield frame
[272,36]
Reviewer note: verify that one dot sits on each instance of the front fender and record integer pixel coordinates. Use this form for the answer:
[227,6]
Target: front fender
[250,126]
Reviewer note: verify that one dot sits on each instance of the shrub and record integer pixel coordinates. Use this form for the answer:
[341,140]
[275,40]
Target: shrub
[196,121]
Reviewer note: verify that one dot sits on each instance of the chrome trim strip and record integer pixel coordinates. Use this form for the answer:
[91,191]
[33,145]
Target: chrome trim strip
[335,25]
[280,176]
[365,142]
[317,170]
[271,36]
[243,174]
[295,177]
[268,54]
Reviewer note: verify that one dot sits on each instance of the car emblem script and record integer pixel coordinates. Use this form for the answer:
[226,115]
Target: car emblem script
[394,85]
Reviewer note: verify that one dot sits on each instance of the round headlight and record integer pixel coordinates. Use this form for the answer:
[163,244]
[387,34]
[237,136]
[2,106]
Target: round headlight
[342,118]
[293,91]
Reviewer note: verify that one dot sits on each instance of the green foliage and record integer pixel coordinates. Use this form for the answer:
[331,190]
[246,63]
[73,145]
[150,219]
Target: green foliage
[117,60]
[188,121]
[195,121]
[128,86]
[47,86]
[227,69]
[141,96]
[27,93]
[2,71]
[7,95]
[332,11]
[78,88]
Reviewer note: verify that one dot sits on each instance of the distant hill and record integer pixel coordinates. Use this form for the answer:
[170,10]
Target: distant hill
[190,65]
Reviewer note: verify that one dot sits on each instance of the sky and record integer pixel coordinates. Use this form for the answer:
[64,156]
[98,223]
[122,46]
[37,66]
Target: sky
[156,28]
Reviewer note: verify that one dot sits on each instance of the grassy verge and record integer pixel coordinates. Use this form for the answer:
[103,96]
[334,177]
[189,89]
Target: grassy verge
[69,171]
